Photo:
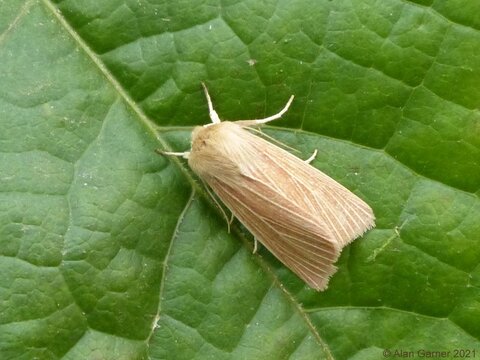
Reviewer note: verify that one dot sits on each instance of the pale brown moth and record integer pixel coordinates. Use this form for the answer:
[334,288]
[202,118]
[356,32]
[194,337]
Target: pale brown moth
[298,213]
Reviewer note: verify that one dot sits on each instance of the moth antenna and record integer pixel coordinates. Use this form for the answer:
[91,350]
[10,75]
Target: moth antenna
[213,114]
[267,119]
[272,139]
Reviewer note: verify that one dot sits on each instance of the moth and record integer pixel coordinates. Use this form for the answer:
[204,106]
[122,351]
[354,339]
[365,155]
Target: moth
[298,213]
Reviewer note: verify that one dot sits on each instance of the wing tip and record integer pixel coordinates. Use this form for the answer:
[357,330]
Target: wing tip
[368,224]
[320,283]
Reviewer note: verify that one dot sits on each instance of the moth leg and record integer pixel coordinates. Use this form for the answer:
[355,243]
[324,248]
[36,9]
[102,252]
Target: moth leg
[255,245]
[267,119]
[212,196]
[311,158]
[213,114]
[185,154]
[231,221]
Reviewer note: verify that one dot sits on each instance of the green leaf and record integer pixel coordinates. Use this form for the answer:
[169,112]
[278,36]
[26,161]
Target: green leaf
[109,251]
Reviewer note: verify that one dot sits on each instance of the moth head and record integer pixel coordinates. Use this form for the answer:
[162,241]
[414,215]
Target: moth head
[212,135]
[211,150]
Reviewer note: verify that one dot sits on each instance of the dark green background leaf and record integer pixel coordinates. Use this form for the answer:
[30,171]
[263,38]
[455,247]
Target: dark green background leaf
[109,251]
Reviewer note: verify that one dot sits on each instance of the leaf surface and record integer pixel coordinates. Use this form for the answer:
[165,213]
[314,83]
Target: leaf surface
[110,251]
